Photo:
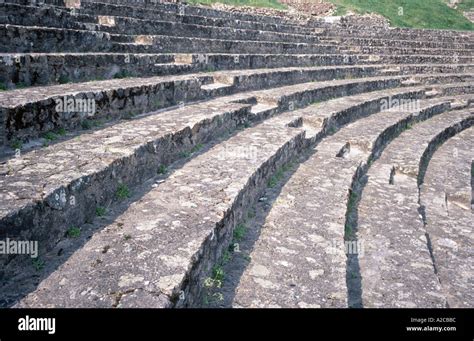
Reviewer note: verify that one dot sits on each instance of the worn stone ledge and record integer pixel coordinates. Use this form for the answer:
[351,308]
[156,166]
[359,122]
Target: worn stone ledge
[445,197]
[52,68]
[402,34]
[391,42]
[397,268]
[28,113]
[405,50]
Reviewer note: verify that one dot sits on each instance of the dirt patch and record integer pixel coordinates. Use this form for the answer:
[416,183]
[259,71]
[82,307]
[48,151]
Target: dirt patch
[311,7]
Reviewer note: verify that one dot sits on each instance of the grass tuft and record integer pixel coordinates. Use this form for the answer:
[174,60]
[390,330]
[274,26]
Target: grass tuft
[122,192]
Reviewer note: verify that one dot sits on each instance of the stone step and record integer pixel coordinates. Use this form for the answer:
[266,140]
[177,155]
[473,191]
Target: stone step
[299,259]
[115,98]
[391,42]
[171,44]
[409,50]
[445,195]
[29,69]
[263,107]
[459,104]
[216,89]
[69,40]
[397,268]
[432,93]
[42,39]
[402,34]
[29,113]
[49,17]
[411,82]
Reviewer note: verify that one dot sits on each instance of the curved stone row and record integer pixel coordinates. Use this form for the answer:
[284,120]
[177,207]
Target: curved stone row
[397,268]
[445,195]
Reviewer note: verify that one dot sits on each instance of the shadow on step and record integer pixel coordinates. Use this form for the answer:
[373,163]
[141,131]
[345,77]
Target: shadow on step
[353,275]
[250,230]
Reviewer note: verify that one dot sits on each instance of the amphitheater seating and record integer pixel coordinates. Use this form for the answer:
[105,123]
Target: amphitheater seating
[140,139]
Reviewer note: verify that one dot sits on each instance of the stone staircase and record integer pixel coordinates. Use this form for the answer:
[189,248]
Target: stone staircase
[166,155]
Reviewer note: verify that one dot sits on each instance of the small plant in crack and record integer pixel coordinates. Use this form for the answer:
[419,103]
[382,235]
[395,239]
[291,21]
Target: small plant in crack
[50,136]
[196,148]
[129,115]
[217,297]
[332,130]
[127,237]
[100,211]
[218,274]
[86,124]
[61,132]
[122,74]
[239,232]
[73,232]
[63,79]
[212,298]
[351,207]
[353,197]
[226,257]
[122,192]
[20,85]
[275,178]
[251,213]
[184,155]
[89,124]
[38,264]
[16,144]
[162,169]
[210,69]
[349,232]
